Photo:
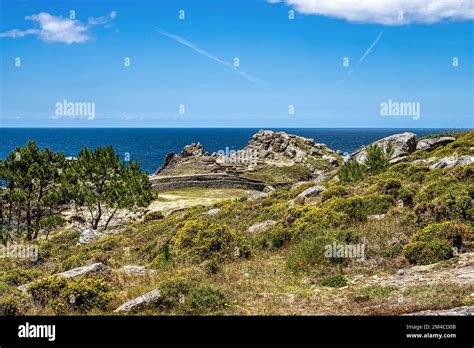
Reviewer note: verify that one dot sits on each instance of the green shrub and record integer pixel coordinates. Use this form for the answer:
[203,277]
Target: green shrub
[85,294]
[241,199]
[407,195]
[447,206]
[311,252]
[106,243]
[240,246]
[154,215]
[204,299]
[351,171]
[273,237]
[354,207]
[308,217]
[390,186]
[44,290]
[59,243]
[72,261]
[10,305]
[337,281]
[17,277]
[462,173]
[183,296]
[413,172]
[211,266]
[205,239]
[347,236]
[173,292]
[424,253]
[308,254]
[82,294]
[450,231]
[377,203]
[163,259]
[377,160]
[334,191]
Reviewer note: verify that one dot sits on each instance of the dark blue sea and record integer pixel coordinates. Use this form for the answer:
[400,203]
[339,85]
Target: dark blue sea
[150,145]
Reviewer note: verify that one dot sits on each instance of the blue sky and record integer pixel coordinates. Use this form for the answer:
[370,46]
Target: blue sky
[189,62]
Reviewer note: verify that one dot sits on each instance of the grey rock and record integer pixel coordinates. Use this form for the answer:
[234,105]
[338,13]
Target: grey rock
[397,159]
[212,212]
[93,269]
[453,161]
[290,151]
[430,144]
[312,191]
[89,236]
[86,271]
[193,150]
[140,302]
[24,287]
[403,144]
[261,226]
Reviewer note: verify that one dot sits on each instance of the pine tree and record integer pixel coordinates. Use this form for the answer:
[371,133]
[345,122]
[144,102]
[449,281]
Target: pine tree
[30,187]
[99,181]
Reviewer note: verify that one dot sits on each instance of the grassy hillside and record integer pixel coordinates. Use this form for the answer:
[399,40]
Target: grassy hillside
[408,215]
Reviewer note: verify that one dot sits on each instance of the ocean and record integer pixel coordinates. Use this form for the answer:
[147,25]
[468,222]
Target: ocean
[150,145]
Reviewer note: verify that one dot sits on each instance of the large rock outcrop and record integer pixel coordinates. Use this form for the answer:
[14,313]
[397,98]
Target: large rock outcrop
[280,146]
[402,144]
[266,149]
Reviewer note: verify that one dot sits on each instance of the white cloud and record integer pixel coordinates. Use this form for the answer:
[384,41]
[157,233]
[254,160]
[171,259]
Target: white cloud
[386,12]
[199,50]
[102,20]
[15,33]
[59,29]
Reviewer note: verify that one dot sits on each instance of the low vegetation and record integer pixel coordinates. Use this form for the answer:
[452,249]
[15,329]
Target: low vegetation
[401,215]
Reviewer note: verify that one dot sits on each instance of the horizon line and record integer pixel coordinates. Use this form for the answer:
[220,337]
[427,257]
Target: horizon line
[268,127]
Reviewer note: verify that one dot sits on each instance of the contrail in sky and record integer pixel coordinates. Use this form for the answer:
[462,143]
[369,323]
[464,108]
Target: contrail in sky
[199,50]
[366,53]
